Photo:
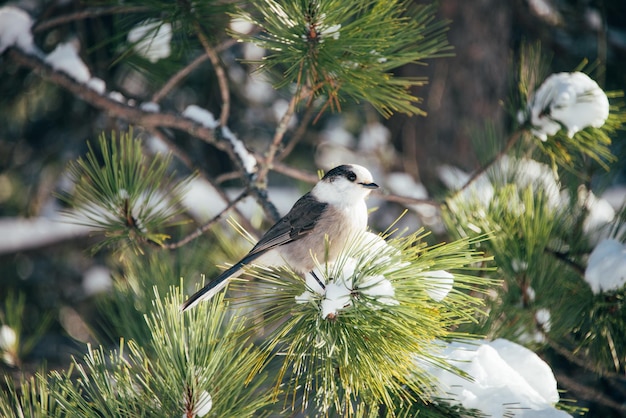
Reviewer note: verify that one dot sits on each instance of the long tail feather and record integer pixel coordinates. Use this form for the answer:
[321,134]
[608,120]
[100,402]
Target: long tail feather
[211,288]
[217,284]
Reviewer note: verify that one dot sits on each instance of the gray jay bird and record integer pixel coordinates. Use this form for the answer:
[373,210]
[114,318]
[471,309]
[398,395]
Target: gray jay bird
[335,208]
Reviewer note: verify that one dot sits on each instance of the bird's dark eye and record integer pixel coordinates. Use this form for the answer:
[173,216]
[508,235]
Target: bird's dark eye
[351,176]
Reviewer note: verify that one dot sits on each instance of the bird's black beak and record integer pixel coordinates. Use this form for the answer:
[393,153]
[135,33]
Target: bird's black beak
[369,185]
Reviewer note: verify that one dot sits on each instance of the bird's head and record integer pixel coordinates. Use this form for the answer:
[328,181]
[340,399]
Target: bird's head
[344,185]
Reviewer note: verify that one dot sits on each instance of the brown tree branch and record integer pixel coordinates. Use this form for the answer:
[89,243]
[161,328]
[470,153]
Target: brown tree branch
[588,393]
[513,138]
[222,80]
[266,165]
[121,110]
[178,77]
[87,14]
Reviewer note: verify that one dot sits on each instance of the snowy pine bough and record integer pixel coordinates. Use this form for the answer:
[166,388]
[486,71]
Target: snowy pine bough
[352,331]
[569,101]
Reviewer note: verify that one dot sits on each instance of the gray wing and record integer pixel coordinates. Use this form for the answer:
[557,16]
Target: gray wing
[298,223]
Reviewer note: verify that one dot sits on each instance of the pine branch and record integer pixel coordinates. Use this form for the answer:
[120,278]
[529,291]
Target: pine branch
[117,109]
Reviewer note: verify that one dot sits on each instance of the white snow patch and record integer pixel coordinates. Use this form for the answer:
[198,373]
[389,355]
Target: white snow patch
[600,215]
[201,115]
[117,96]
[240,25]
[8,338]
[151,39]
[248,160]
[65,58]
[253,52]
[97,84]
[280,108]
[523,172]
[15,25]
[338,292]
[543,318]
[150,107]
[440,283]
[505,379]
[258,89]
[21,233]
[606,268]
[204,404]
[569,100]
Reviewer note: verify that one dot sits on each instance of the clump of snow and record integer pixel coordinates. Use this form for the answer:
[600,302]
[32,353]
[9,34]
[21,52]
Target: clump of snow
[567,100]
[150,107]
[65,58]
[240,25]
[600,214]
[543,318]
[8,342]
[505,380]
[440,283]
[8,338]
[346,283]
[606,268]
[201,115]
[322,30]
[248,160]
[151,39]
[204,404]
[15,25]
[117,96]
[97,84]
[337,134]
[403,184]
[21,233]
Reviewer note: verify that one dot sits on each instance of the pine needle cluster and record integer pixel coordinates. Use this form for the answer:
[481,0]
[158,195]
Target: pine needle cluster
[119,192]
[367,353]
[342,50]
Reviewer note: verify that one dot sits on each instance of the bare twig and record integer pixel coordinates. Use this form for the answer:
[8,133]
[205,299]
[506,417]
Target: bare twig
[404,200]
[515,136]
[564,258]
[266,166]
[222,80]
[176,78]
[299,134]
[581,362]
[202,229]
[589,393]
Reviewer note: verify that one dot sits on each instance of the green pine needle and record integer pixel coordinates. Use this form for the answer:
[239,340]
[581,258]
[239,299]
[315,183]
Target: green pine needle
[124,195]
[368,352]
[348,49]
[193,360]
